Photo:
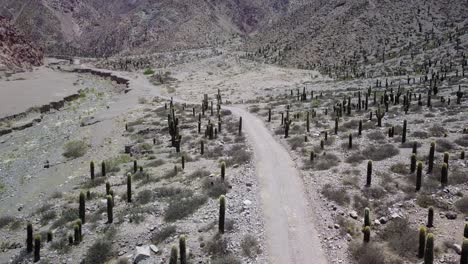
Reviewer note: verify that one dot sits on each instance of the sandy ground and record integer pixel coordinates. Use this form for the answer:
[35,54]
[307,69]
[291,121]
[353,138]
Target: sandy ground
[42,86]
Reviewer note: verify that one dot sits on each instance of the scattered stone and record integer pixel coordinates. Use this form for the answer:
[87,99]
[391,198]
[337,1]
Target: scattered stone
[154,249]
[451,215]
[383,220]
[353,214]
[457,248]
[142,253]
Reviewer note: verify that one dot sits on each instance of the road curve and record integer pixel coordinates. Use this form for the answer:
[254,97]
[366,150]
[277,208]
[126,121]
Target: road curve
[290,231]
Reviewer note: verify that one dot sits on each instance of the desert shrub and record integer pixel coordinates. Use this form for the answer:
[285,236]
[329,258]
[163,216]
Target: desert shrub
[338,195]
[67,215]
[215,152]
[381,152]
[352,124]
[75,149]
[327,161]
[100,252]
[249,245]
[217,245]
[144,196]
[420,134]
[443,145]
[457,176]
[462,205]
[215,187]
[254,109]
[462,141]
[61,244]
[148,72]
[367,253]
[349,180]
[360,202]
[162,234]
[238,155]
[400,237]
[375,192]
[376,135]
[113,164]
[93,183]
[56,195]
[200,173]
[180,208]
[6,220]
[355,157]
[226,259]
[46,217]
[437,131]
[296,142]
[156,163]
[399,168]
[163,192]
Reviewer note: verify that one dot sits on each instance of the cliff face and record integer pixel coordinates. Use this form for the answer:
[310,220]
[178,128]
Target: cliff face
[15,50]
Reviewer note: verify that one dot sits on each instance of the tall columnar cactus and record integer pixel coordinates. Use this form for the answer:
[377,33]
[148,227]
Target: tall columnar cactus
[29,238]
[103,169]
[444,174]
[367,221]
[429,252]
[322,144]
[403,135]
[379,114]
[202,147]
[269,115]
[422,241]
[37,248]
[80,228]
[350,141]
[135,166]
[413,163]
[465,231]
[183,162]
[129,188]
[222,213]
[312,156]
[462,155]
[336,126]
[50,236]
[82,209]
[70,239]
[360,128]
[183,250]
[430,217]
[419,176]
[415,148]
[430,164]
[240,125]
[464,253]
[367,232]
[308,122]
[108,187]
[173,259]
[91,169]
[110,215]
[76,229]
[223,170]
[369,173]
[446,158]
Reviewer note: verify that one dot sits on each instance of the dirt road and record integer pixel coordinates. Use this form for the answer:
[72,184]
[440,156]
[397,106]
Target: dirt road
[292,237]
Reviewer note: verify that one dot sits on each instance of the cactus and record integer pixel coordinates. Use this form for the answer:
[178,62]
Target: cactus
[222,213]
[29,238]
[308,122]
[183,250]
[465,231]
[446,158]
[403,136]
[360,128]
[336,126]
[286,128]
[110,216]
[129,188]
[321,144]
[367,221]
[240,125]
[269,115]
[369,173]
[135,166]
[70,239]
[103,169]
[419,176]
[76,229]
[367,232]
[444,175]
[88,195]
[413,163]
[50,236]
[80,226]
[82,209]
[173,258]
[108,187]
[183,161]
[350,141]
[430,164]
[464,253]
[312,156]
[430,217]
[415,147]
[223,170]
[422,241]
[462,155]
[326,136]
[202,147]
[91,169]
[37,248]
[429,252]
[379,114]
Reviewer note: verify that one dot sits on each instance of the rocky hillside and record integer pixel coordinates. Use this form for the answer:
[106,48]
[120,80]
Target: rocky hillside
[15,50]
